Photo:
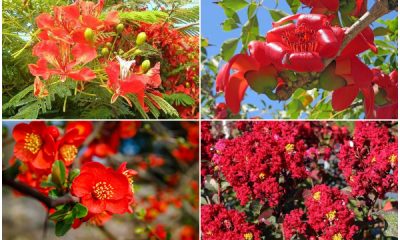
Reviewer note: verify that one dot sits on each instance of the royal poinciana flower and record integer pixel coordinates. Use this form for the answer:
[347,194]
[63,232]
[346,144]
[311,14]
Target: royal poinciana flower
[221,223]
[58,56]
[256,70]
[35,144]
[369,161]
[122,81]
[100,189]
[39,88]
[307,42]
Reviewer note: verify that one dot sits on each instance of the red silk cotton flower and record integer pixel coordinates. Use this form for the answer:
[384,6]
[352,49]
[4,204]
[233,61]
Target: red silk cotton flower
[103,189]
[307,42]
[256,70]
[35,144]
[322,6]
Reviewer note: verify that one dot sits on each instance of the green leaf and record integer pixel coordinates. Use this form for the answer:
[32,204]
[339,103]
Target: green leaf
[79,211]
[228,48]
[276,14]
[73,174]
[229,24]
[59,215]
[391,223]
[294,5]
[250,30]
[164,105]
[143,16]
[251,9]
[58,173]
[62,227]
[17,98]
[30,111]
[381,31]
[180,99]
[235,5]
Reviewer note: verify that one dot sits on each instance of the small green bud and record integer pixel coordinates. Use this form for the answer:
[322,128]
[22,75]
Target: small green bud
[145,65]
[89,35]
[141,38]
[120,27]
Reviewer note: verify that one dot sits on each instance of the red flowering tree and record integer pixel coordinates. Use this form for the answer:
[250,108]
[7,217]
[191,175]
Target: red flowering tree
[299,180]
[132,174]
[101,59]
[324,60]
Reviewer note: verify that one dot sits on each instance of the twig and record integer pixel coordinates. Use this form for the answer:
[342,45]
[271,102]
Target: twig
[187,26]
[107,233]
[24,189]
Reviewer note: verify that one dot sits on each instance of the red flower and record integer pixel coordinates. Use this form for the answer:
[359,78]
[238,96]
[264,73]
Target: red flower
[102,189]
[307,42]
[84,128]
[250,69]
[158,233]
[386,96]
[322,6]
[358,77]
[35,144]
[57,54]
[39,89]
[128,129]
[122,83]
[184,153]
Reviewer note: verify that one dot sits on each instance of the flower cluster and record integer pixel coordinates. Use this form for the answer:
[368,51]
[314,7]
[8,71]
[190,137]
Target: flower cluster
[38,146]
[221,223]
[76,42]
[369,161]
[253,162]
[326,216]
[295,54]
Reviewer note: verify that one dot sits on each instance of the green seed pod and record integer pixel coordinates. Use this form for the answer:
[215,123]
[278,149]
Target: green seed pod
[105,52]
[380,97]
[262,81]
[109,45]
[141,38]
[328,80]
[145,65]
[89,35]
[137,52]
[120,27]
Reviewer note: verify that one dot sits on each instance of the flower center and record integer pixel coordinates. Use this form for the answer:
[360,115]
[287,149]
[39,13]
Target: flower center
[337,236]
[331,215]
[68,152]
[124,67]
[103,190]
[392,159]
[33,142]
[373,160]
[317,196]
[289,147]
[302,39]
[248,236]
[261,176]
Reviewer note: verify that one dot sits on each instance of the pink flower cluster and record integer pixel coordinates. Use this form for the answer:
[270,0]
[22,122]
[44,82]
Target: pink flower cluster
[369,161]
[254,162]
[326,216]
[221,223]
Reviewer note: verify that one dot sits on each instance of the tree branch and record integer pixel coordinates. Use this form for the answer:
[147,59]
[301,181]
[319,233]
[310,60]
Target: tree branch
[26,190]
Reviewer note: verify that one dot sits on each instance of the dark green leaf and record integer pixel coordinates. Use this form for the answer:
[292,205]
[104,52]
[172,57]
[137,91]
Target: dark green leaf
[62,227]
[79,211]
[251,9]
[73,174]
[228,48]
[294,5]
[59,215]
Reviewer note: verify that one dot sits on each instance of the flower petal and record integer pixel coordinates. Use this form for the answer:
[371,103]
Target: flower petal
[84,74]
[83,53]
[235,91]
[343,97]
[305,62]
[328,43]
[94,205]
[369,100]
[362,42]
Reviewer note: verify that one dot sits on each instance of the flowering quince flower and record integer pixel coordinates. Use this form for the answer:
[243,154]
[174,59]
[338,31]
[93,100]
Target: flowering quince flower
[35,144]
[128,129]
[68,146]
[103,189]
[39,89]
[249,70]
[58,56]
[122,82]
[306,43]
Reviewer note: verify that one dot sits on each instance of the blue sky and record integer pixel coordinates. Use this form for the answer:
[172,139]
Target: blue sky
[211,18]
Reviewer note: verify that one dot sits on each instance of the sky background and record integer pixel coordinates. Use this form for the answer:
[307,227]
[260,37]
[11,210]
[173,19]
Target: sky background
[211,18]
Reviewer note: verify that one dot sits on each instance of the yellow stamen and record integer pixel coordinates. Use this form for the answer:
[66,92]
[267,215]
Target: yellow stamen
[317,196]
[68,153]
[248,236]
[261,176]
[289,147]
[103,190]
[393,159]
[331,215]
[337,236]
[33,142]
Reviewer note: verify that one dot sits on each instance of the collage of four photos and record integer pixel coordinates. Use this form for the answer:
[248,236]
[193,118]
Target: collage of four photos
[200,119]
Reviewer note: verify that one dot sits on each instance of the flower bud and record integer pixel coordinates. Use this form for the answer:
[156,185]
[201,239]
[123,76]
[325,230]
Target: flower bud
[141,38]
[105,51]
[145,65]
[89,35]
[120,27]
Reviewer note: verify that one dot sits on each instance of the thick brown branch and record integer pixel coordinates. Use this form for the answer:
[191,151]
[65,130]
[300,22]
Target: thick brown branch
[26,190]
